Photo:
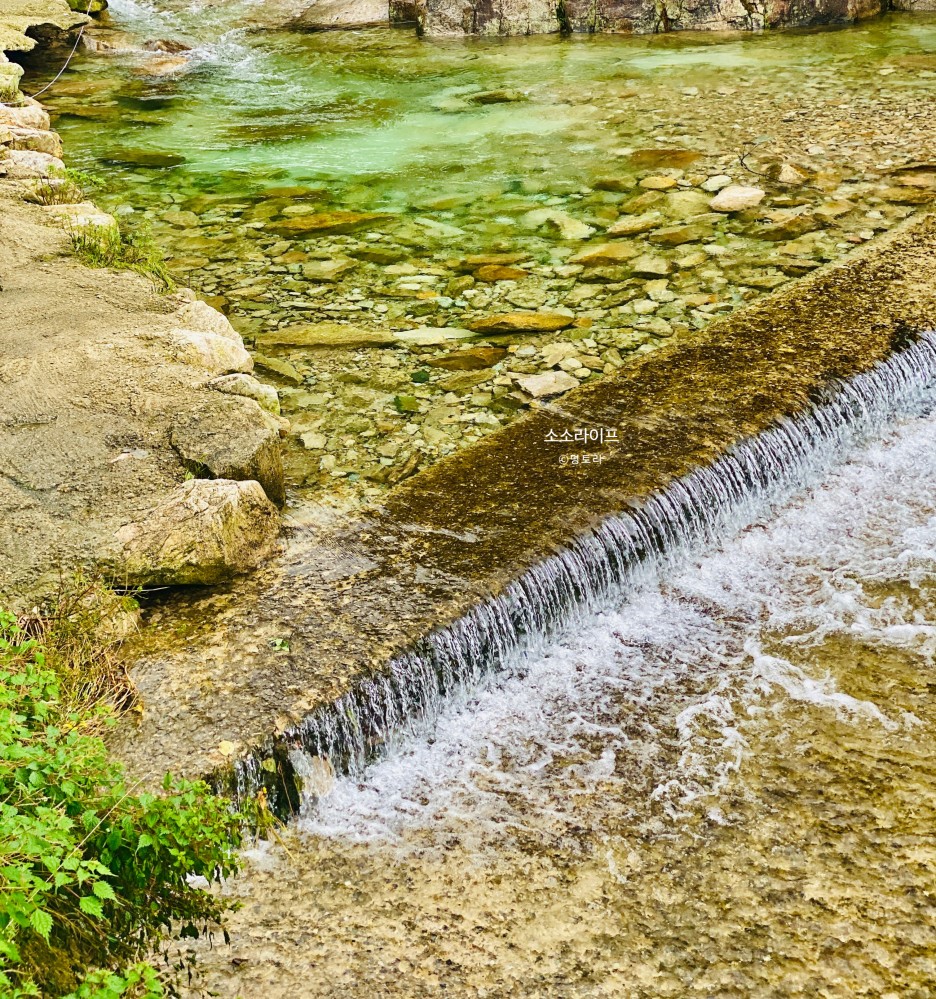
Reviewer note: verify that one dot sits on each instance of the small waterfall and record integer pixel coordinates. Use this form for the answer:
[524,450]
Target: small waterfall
[594,573]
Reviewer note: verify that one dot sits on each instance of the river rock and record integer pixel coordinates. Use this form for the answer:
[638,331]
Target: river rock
[651,266]
[325,335]
[522,322]
[208,350]
[169,65]
[787,225]
[680,205]
[279,366]
[655,159]
[564,225]
[150,159]
[28,115]
[171,45]
[676,235]
[916,175]
[616,185]
[431,336]
[657,183]
[792,176]
[327,15]
[907,195]
[736,198]
[605,255]
[472,359]
[82,214]
[322,223]
[24,164]
[230,442]
[547,383]
[201,316]
[327,271]
[496,97]
[38,140]
[495,272]
[634,225]
[717,183]
[205,531]
[246,385]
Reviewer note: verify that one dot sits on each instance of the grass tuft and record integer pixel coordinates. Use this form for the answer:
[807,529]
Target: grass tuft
[64,187]
[122,248]
[82,629]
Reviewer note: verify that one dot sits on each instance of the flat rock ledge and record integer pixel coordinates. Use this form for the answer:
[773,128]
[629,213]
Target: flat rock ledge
[20,22]
[348,598]
[133,439]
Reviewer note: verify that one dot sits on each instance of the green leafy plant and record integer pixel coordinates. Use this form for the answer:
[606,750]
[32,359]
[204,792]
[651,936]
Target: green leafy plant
[122,248]
[92,875]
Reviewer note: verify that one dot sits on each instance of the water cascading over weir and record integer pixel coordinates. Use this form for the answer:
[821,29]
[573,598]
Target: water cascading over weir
[363,629]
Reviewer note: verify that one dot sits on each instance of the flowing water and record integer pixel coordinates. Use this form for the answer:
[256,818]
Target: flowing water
[473,175]
[722,787]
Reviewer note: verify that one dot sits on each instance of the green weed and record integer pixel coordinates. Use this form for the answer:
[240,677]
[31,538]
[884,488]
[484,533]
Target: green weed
[122,248]
[92,874]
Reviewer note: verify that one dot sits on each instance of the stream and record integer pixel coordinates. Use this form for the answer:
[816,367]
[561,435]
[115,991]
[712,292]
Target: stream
[721,787]
[409,189]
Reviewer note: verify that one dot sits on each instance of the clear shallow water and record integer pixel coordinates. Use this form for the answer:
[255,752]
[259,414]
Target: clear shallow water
[378,117]
[723,788]
[259,133]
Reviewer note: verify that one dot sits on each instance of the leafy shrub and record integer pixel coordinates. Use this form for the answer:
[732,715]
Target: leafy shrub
[91,874]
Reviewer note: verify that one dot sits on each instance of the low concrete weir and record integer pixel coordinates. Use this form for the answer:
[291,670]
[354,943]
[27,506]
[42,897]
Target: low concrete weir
[362,628]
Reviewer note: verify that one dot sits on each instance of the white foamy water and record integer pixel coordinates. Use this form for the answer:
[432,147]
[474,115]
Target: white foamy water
[646,709]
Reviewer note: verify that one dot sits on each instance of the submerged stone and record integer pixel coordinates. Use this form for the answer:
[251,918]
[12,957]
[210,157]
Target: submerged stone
[149,159]
[605,255]
[522,322]
[634,225]
[546,384]
[736,198]
[323,223]
[496,97]
[471,359]
[327,334]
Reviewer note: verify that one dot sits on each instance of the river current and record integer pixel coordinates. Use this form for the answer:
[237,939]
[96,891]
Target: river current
[722,788]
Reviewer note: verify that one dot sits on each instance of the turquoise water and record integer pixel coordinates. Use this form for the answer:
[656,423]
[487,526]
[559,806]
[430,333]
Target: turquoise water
[446,152]
[379,118]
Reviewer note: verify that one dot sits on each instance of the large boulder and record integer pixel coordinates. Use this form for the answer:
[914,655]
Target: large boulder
[200,316]
[29,114]
[246,385]
[25,164]
[37,139]
[327,15]
[523,17]
[209,350]
[203,532]
[232,441]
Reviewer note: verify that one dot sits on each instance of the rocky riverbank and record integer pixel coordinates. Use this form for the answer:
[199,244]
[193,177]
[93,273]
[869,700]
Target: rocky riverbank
[398,334]
[133,438]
